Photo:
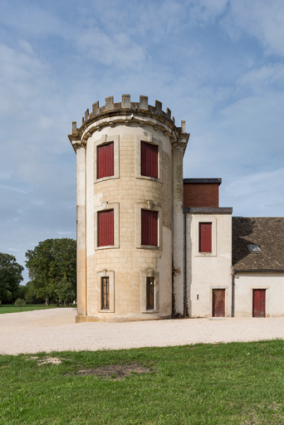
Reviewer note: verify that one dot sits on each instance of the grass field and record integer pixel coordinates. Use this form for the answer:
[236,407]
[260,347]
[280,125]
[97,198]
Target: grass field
[10,308]
[236,383]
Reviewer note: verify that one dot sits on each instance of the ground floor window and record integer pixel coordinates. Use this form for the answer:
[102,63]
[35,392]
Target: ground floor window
[150,293]
[105,293]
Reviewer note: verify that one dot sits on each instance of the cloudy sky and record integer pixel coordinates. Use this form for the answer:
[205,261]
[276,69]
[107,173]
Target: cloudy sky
[217,64]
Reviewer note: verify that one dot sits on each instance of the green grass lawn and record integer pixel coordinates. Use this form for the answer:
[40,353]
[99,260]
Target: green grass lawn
[236,383]
[10,308]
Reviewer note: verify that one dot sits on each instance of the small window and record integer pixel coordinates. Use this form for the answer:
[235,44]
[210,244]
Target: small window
[149,160]
[105,228]
[205,237]
[150,293]
[105,293]
[105,161]
[149,228]
[254,248]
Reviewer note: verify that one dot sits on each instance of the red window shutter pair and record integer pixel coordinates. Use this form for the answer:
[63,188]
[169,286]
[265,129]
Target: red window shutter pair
[105,228]
[149,228]
[149,160]
[105,160]
[205,237]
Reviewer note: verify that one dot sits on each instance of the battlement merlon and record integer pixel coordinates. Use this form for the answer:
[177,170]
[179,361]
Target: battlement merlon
[127,108]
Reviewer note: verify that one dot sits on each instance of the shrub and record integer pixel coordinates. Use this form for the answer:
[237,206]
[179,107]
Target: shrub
[19,302]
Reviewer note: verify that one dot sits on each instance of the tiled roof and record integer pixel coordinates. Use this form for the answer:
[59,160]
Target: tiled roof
[268,234]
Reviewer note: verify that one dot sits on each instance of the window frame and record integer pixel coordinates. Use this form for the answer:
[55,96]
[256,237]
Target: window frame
[99,148]
[205,219]
[105,296]
[148,205]
[144,274]
[150,297]
[105,140]
[199,238]
[105,206]
[149,235]
[111,276]
[98,231]
[151,145]
[148,138]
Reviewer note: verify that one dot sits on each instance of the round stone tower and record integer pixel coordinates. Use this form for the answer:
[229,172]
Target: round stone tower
[129,210]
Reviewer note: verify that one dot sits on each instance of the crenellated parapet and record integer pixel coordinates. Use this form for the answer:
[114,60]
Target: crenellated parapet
[128,113]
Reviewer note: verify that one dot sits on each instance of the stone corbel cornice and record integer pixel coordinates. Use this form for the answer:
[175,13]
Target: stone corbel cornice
[174,133]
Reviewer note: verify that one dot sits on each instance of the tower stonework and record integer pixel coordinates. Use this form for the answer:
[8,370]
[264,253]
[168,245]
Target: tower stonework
[129,211]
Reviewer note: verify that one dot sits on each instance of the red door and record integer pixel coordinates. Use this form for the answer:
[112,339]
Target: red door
[218,302]
[258,303]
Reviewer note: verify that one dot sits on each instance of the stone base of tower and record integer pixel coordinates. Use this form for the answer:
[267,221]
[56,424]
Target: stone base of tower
[87,319]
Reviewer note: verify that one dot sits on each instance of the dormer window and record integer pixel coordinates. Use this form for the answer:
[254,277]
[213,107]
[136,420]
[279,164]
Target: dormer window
[254,248]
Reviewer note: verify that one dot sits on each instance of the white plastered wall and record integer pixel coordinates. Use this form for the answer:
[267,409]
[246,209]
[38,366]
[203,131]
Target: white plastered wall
[208,271]
[273,283]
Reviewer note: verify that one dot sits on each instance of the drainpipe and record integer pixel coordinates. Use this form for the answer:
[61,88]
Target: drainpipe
[185,256]
[233,292]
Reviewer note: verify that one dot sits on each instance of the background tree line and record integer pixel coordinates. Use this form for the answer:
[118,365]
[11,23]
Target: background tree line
[52,273]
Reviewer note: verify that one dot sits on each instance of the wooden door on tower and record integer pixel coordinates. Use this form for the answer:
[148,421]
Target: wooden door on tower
[258,303]
[218,302]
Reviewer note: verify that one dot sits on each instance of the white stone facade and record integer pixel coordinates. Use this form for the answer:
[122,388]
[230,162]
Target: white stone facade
[127,263]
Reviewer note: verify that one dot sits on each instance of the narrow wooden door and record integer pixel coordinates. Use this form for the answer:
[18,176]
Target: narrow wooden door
[258,309]
[218,303]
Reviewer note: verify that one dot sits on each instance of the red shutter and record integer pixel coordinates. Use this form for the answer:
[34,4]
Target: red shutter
[205,238]
[105,228]
[105,160]
[149,160]
[149,228]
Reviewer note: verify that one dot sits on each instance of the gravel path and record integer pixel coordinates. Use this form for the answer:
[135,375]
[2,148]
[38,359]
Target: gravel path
[55,330]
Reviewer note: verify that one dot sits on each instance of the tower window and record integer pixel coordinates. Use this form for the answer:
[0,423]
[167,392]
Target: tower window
[149,228]
[150,293]
[205,237]
[149,160]
[105,228]
[105,293]
[105,160]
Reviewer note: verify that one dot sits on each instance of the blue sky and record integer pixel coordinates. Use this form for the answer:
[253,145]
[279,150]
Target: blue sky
[217,64]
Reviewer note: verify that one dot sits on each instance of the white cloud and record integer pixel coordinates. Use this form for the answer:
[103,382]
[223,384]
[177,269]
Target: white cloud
[116,49]
[266,77]
[262,19]
[257,194]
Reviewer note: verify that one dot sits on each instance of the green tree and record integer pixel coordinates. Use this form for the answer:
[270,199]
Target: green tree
[65,291]
[21,291]
[48,264]
[10,276]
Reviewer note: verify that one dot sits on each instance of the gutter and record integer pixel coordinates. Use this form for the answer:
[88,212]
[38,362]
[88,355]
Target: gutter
[185,267]
[233,292]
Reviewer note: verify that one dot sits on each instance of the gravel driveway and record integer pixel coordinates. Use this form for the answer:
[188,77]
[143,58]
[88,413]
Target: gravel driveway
[55,330]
